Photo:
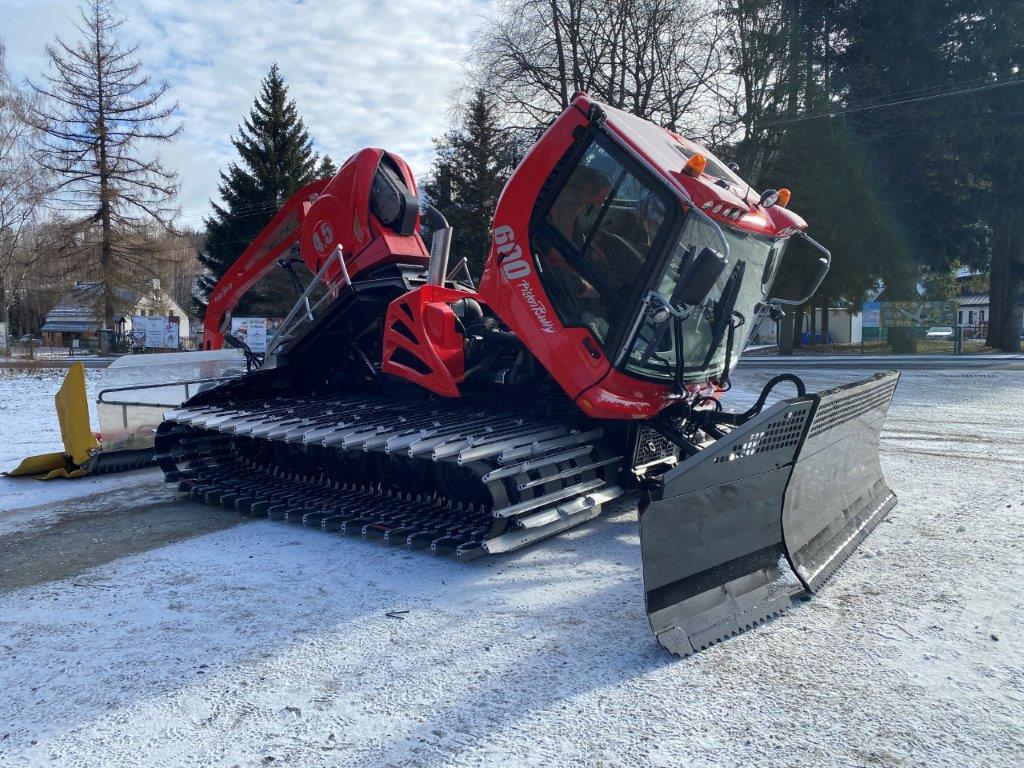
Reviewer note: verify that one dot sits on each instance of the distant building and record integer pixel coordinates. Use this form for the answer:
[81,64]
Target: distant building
[973,313]
[79,313]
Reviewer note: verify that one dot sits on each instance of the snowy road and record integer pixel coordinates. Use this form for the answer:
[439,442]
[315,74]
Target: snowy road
[126,640]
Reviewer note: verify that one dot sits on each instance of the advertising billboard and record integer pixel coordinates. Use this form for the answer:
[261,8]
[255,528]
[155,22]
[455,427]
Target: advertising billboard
[155,332]
[252,331]
[896,314]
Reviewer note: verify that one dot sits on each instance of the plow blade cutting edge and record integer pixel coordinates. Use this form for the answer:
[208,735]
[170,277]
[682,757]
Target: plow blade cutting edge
[765,514]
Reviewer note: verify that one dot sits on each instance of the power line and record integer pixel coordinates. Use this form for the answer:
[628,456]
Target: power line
[808,150]
[245,210]
[911,91]
[900,102]
[252,209]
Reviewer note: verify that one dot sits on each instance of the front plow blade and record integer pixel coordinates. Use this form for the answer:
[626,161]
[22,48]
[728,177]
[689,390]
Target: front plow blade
[837,493]
[765,514]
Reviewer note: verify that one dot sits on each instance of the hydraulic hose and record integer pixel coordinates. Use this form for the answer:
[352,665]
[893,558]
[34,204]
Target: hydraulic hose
[739,418]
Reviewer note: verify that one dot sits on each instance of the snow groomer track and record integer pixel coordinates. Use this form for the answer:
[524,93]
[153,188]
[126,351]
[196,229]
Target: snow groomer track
[445,476]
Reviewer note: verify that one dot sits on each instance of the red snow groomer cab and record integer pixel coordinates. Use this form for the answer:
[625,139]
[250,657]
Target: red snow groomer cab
[401,402]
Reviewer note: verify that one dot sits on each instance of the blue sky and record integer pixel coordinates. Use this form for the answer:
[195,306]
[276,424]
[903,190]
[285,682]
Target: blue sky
[364,72]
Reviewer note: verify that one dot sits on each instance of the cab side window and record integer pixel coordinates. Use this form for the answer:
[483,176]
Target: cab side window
[575,211]
[593,239]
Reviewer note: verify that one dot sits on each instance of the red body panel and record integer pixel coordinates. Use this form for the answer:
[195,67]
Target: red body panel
[342,216]
[318,218]
[511,286]
[422,324]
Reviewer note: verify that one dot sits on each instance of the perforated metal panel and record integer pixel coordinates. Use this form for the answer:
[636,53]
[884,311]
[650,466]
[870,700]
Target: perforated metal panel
[651,446]
[840,406]
[780,433]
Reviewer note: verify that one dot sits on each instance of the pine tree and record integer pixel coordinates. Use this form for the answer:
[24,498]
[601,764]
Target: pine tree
[473,163]
[952,149]
[326,168]
[276,159]
[995,41]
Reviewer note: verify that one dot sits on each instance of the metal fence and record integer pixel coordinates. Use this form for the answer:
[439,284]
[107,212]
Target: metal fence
[24,351]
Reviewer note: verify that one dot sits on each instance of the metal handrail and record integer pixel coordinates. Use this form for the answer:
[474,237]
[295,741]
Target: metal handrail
[161,385]
[301,310]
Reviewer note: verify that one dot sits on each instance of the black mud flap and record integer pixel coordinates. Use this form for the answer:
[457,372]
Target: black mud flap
[735,533]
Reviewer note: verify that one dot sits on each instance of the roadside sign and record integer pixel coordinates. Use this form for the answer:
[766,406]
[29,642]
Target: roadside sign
[251,330]
[870,314]
[155,332]
[905,314]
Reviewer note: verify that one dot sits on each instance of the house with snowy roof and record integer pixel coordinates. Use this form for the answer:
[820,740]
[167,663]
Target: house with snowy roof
[78,315]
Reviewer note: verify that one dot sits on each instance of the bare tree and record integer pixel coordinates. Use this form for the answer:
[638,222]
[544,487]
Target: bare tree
[759,87]
[97,113]
[655,58]
[22,191]
[178,267]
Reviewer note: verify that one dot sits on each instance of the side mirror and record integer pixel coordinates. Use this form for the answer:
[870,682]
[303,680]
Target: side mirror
[815,278]
[699,277]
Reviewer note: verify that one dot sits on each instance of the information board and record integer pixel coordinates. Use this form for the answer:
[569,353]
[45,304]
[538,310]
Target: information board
[155,332]
[252,331]
[896,314]
[870,314]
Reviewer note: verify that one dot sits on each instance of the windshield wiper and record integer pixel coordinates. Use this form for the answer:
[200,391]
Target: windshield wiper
[723,309]
[673,304]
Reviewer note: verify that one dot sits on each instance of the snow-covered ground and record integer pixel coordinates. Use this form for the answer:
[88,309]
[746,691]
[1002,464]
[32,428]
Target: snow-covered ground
[266,644]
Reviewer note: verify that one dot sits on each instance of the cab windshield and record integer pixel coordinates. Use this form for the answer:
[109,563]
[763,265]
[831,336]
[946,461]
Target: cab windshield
[600,239]
[653,352]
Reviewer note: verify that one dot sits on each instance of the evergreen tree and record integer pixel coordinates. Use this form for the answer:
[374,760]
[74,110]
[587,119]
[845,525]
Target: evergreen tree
[473,163]
[785,57]
[993,158]
[894,55]
[326,168]
[277,159]
[951,146]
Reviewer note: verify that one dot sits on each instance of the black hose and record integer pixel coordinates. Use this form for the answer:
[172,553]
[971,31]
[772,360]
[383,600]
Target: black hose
[739,418]
[702,399]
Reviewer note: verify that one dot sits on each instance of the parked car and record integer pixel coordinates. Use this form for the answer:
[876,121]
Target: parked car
[30,340]
[940,332]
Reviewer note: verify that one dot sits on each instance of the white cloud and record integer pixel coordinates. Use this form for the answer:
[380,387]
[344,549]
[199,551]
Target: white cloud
[364,72]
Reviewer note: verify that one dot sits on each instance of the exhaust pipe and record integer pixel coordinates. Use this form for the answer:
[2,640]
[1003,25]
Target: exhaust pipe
[440,244]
